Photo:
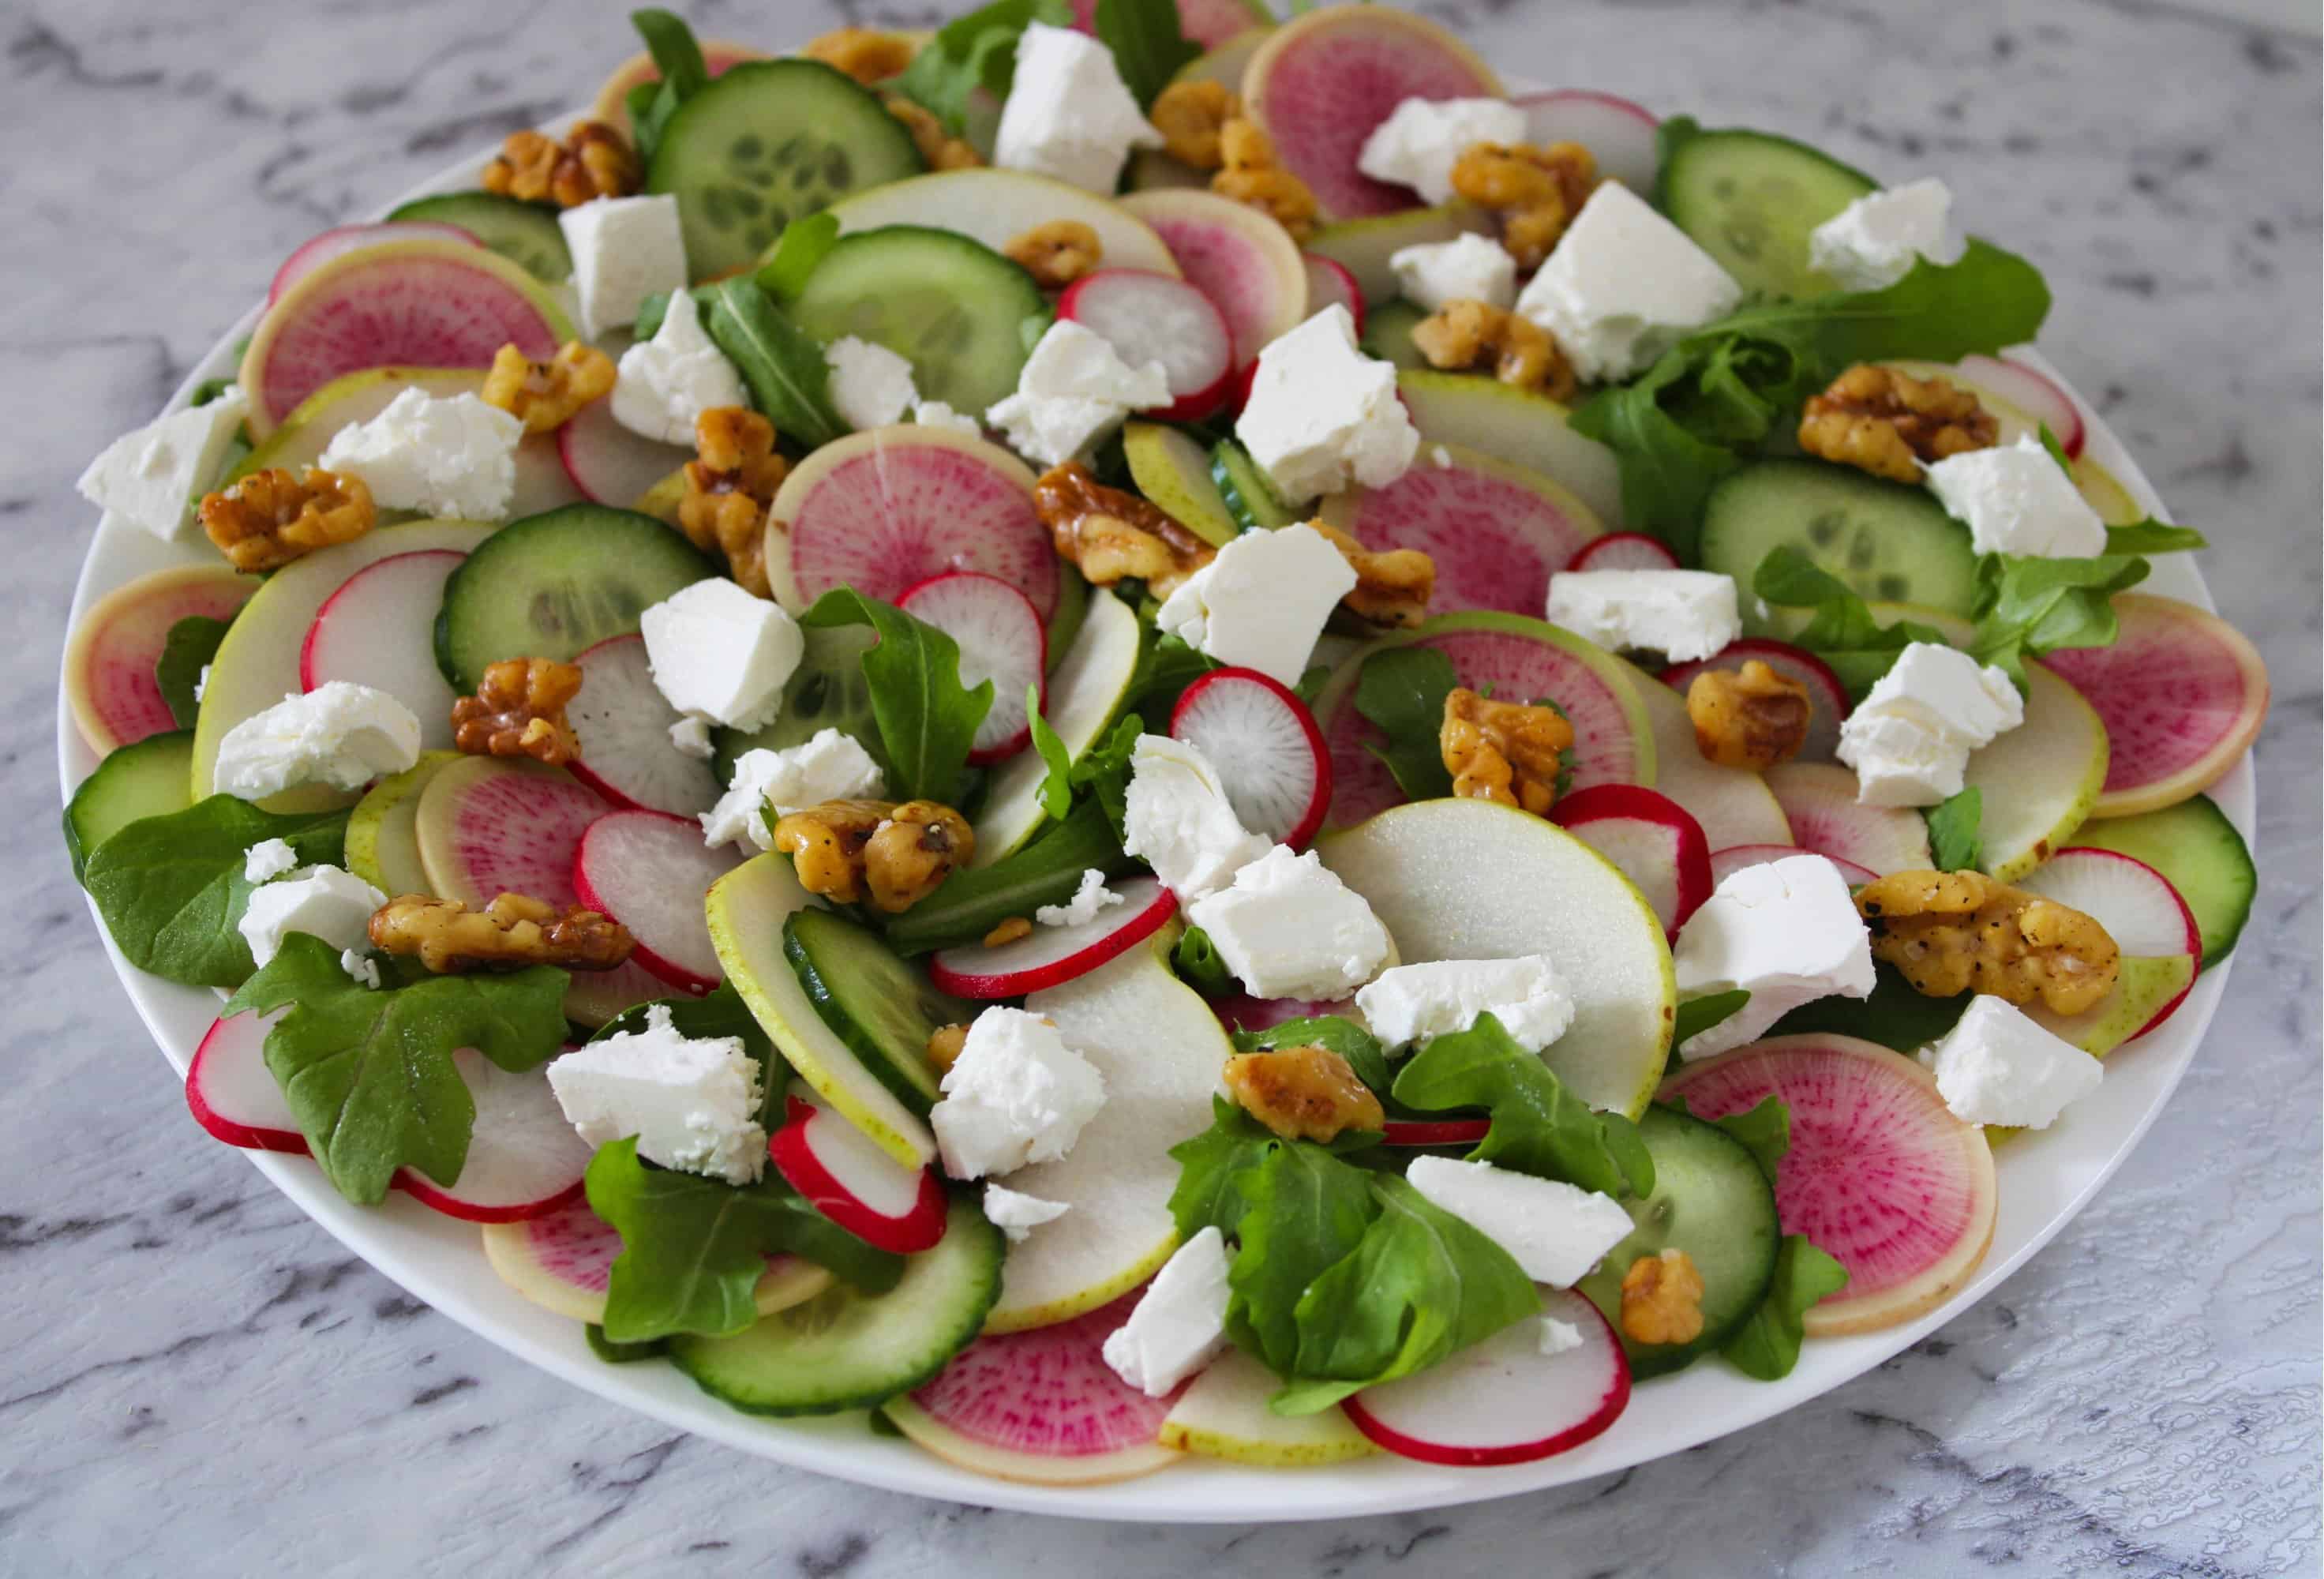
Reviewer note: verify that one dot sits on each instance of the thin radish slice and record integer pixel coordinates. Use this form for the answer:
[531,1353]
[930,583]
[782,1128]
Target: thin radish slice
[1651,838]
[1826,695]
[347,238]
[651,871]
[564,1260]
[1620,134]
[378,630]
[1002,639]
[1503,1400]
[1625,551]
[1049,956]
[110,657]
[233,1094]
[1152,318]
[1433,1132]
[847,1178]
[623,721]
[1819,801]
[1270,757]
[1329,280]
[1241,1011]
[2036,393]
[608,463]
[2136,905]
[1725,864]
[1244,262]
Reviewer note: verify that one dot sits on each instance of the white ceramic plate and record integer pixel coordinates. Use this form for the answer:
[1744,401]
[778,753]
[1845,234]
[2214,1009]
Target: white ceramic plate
[2045,1178]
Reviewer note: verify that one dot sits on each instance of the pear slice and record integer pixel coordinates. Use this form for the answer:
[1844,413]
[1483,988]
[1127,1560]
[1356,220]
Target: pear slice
[1086,691]
[2040,779]
[1224,1414]
[1516,426]
[2146,985]
[996,206]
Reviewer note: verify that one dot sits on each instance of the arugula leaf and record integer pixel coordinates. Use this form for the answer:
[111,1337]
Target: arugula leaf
[207,392]
[1766,1129]
[683,73]
[170,889]
[1767,1345]
[1147,42]
[1103,768]
[1982,302]
[1044,872]
[1666,470]
[1538,1127]
[1402,692]
[1896,1016]
[1843,632]
[1166,666]
[2154,536]
[1056,792]
[2030,606]
[1953,831]
[928,719]
[1206,1195]
[720,1013]
[1196,960]
[978,50]
[1697,1015]
[784,271]
[1303,1211]
[187,650]
[789,380]
[1351,1041]
[368,1072]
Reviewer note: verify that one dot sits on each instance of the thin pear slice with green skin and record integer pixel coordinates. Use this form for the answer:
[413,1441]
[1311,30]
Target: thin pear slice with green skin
[2039,781]
[1516,426]
[1086,692]
[996,206]
[2145,986]
[382,844]
[1364,246]
[1174,472]
[1224,1414]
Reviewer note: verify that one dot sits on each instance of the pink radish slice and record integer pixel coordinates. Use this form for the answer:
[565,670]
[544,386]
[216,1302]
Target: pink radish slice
[1620,134]
[1269,754]
[1496,539]
[1725,863]
[1051,954]
[1653,840]
[378,630]
[650,872]
[348,239]
[1433,1132]
[623,721]
[1503,1400]
[109,659]
[1819,801]
[1241,1011]
[1826,697]
[1207,23]
[2136,905]
[851,1181]
[571,1250]
[1246,263]
[1152,318]
[609,464]
[1625,551]
[1002,639]
[1328,280]
[2034,393]
[487,828]
[232,1094]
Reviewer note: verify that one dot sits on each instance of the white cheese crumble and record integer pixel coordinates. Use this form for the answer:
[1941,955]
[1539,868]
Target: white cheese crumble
[1017,1095]
[692,1102]
[665,385]
[1411,1003]
[339,733]
[150,477]
[716,651]
[769,784]
[1091,897]
[1784,931]
[452,456]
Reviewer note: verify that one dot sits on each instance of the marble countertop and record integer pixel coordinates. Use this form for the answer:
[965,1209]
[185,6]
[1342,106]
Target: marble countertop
[198,1381]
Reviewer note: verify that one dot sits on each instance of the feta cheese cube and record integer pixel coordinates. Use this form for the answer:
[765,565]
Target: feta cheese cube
[1998,1065]
[1180,1322]
[2016,499]
[1623,285]
[716,651]
[1017,1214]
[150,477]
[691,737]
[937,414]
[1875,241]
[1903,761]
[1910,739]
[625,250]
[1091,897]
[266,860]
[1262,602]
[360,967]
[871,385]
[1421,140]
[1288,928]
[1180,822]
[1069,114]
[770,784]
[339,733]
[1682,614]
[1411,1003]
[1556,1232]
[1322,414]
[1786,932]
[451,457]
[692,1102]
[1558,1336]
[322,901]
[665,385]
[1017,1095]
[1467,268]
[1074,389]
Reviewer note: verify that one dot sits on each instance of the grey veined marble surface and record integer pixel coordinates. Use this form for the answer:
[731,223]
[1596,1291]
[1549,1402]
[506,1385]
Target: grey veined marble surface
[194,1380]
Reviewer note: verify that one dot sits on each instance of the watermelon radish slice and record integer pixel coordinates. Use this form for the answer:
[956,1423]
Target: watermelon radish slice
[849,1179]
[883,510]
[1207,23]
[609,464]
[649,871]
[347,238]
[563,1260]
[109,660]
[1048,957]
[623,721]
[1819,801]
[2136,905]
[378,630]
[1329,280]
[1241,1011]
[1620,134]
[2040,397]
[1152,318]
[2182,693]
[1269,754]
[1826,697]
[1243,260]
[1497,531]
[1323,83]
[1880,1174]
[1002,639]
[1625,551]
[1040,1406]
[1650,838]
[1503,1400]
[1725,863]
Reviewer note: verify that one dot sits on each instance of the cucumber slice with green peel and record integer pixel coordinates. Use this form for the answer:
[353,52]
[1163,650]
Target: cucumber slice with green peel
[953,307]
[1250,497]
[2198,852]
[1891,543]
[827,690]
[1388,335]
[146,778]
[526,234]
[873,999]
[843,1350]
[1174,472]
[555,585]
[1751,199]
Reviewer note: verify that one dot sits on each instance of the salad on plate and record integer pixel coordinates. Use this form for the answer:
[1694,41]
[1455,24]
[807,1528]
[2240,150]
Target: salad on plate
[1126,732]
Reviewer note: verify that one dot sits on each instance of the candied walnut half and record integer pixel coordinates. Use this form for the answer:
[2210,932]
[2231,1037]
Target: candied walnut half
[1057,253]
[864,53]
[1392,587]
[1108,534]
[593,162]
[1465,333]
[270,518]
[1886,422]
[1954,932]
[546,395]
[519,711]
[1302,1093]
[1750,718]
[944,1045]
[1191,117]
[1506,752]
[514,930]
[901,853]
[939,147]
[729,488]
[1537,191]
[1248,173]
[1009,931]
[1661,1299]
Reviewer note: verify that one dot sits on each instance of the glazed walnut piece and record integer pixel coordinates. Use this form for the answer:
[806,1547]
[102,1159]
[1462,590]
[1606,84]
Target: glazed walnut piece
[1954,932]
[1392,587]
[1886,422]
[1056,254]
[1192,118]
[939,147]
[1302,1093]
[546,395]
[1108,534]
[593,162]
[944,1045]
[864,53]
[1248,173]
[513,932]
[729,488]
[1750,718]
[519,711]
[1504,752]
[270,518]
[900,853]
[1464,334]
[1661,1299]
[1537,191]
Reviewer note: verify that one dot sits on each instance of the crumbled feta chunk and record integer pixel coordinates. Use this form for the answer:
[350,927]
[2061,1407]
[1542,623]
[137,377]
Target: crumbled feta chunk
[1999,1066]
[692,1102]
[1411,1003]
[1558,1336]
[665,385]
[1017,1095]
[871,385]
[1017,1214]
[1074,389]
[1910,739]
[451,457]
[937,414]
[770,784]
[339,733]
[1262,602]
[1875,241]
[1467,268]
[1322,414]
[1623,284]
[1180,822]
[1069,114]
[716,651]
[2016,499]
[1288,928]
[361,967]
[625,250]
[1421,140]
[266,860]
[322,901]
[150,478]
[1180,1322]
[1080,911]
[201,684]
[1555,1232]
[1784,931]
[1682,614]
[1441,458]
[691,737]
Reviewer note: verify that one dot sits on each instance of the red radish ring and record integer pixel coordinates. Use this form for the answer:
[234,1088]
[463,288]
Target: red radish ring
[1329,280]
[1271,758]
[1826,694]
[1049,955]
[622,722]
[1652,839]
[2039,396]
[378,630]
[1625,551]
[1725,864]
[321,249]
[1152,318]
[1620,134]
[1002,638]
[649,871]
[851,1180]
[2136,905]
[608,463]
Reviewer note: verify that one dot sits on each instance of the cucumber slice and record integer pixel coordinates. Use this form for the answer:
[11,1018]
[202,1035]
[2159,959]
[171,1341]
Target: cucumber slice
[1250,497]
[1891,543]
[827,690]
[1750,201]
[1711,1201]
[767,142]
[557,584]
[843,1350]
[873,1000]
[953,307]
[526,234]
[2198,852]
[151,777]
[1387,334]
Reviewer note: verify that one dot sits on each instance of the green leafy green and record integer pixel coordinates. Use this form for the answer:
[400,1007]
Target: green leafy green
[678,59]
[1206,1195]
[978,50]
[1843,632]
[1305,1210]
[783,273]
[1954,830]
[1767,1345]
[2154,536]
[719,1012]
[1196,960]
[1166,666]
[1103,770]
[1402,692]
[613,1354]
[2030,606]
[1351,1041]
[1045,872]
[1697,1015]
[1764,1129]
[928,719]
[187,650]
[1894,1016]
[1057,792]
[1538,1127]
[1147,42]
[789,380]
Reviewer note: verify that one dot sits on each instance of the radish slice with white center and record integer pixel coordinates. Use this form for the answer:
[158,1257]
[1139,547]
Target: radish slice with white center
[1620,134]
[2036,394]
[233,1094]
[1651,838]
[1329,280]
[347,238]
[1625,551]
[1048,957]
[1433,1132]
[624,720]
[1000,639]
[1152,318]
[2136,905]
[845,1176]
[1725,864]
[378,630]
[1241,1011]
[651,871]
[1503,1400]
[1826,697]
[1269,754]
[1819,801]
[609,463]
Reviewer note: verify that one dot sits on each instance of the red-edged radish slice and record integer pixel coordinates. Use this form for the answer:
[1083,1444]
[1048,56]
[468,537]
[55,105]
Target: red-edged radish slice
[1625,551]
[1270,757]
[1433,1132]
[1653,840]
[1152,318]
[233,1094]
[1819,801]
[1000,638]
[347,238]
[378,630]
[1503,1400]
[1620,134]
[1826,695]
[1725,864]
[649,871]
[608,463]
[2136,905]
[1241,1011]
[623,721]
[1329,280]
[1049,955]
[849,1179]
[2036,394]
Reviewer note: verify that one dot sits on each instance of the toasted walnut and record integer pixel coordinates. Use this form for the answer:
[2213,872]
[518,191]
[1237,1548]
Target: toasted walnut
[1504,752]
[514,930]
[1302,1093]
[939,147]
[944,1044]
[1248,173]
[1465,333]
[1886,422]
[729,488]
[545,395]
[901,853]
[1108,534]
[864,53]
[591,162]
[1009,932]
[1058,253]
[270,518]
[519,711]
[1750,718]
[1537,191]
[1191,115]
[1954,932]
[1392,587]
[1661,1299]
